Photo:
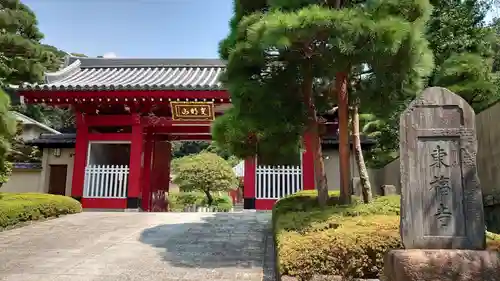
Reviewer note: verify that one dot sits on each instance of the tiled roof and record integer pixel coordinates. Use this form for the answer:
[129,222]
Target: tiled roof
[53,140]
[27,120]
[93,74]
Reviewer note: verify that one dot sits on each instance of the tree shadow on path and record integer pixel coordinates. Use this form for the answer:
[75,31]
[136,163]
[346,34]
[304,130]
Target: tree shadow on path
[242,241]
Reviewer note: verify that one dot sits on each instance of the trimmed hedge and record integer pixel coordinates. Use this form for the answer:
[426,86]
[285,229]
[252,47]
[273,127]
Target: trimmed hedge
[348,241]
[179,200]
[21,207]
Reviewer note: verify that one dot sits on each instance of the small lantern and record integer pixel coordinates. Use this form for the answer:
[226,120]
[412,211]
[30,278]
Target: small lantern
[56,152]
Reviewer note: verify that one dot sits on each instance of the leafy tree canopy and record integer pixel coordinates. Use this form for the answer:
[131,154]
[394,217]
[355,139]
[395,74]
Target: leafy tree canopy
[7,132]
[205,172]
[276,49]
[22,57]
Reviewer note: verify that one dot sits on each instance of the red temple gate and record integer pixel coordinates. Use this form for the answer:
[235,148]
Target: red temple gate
[138,106]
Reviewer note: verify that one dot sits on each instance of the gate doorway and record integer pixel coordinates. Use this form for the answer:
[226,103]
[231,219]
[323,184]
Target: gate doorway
[57,179]
[107,170]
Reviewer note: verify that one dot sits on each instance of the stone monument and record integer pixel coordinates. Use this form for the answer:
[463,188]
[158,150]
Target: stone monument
[442,218]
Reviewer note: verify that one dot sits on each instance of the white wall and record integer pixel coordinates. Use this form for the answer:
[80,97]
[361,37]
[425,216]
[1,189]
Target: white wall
[23,180]
[331,159]
[67,158]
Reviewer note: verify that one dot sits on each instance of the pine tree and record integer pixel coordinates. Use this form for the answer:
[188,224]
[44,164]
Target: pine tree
[19,151]
[463,50]
[462,45]
[7,132]
[280,54]
[23,58]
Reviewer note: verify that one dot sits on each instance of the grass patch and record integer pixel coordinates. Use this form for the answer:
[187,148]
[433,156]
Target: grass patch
[348,241]
[16,208]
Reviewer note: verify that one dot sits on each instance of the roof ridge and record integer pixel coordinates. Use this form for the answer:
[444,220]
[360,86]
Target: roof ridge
[145,62]
[39,124]
[139,74]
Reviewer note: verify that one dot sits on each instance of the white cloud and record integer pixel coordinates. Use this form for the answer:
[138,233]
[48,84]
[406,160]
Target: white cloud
[109,55]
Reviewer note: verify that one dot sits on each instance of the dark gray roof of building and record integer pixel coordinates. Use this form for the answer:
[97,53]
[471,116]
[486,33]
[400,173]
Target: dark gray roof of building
[108,74]
[53,140]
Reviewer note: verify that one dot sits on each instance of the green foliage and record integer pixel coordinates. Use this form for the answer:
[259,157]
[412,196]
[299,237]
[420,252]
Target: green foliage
[5,172]
[18,208]
[185,148]
[205,172]
[349,241]
[178,200]
[469,75]
[223,203]
[21,153]
[385,132]
[463,49]
[22,57]
[54,117]
[274,52]
[7,132]
[458,27]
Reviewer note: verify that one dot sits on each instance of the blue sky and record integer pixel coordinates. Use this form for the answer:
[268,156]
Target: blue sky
[135,28]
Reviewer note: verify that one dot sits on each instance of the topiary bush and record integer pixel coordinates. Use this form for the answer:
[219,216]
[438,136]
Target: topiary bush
[205,172]
[223,203]
[348,241]
[22,207]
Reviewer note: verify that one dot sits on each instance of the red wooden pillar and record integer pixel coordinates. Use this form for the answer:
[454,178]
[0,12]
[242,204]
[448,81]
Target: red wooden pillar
[168,160]
[308,180]
[146,187]
[134,178]
[81,151]
[160,175]
[249,183]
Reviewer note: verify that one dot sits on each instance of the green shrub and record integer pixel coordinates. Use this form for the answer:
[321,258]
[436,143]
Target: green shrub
[349,241]
[179,200]
[223,203]
[16,208]
[205,172]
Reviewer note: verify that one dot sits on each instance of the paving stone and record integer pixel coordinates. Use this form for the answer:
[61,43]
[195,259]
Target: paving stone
[140,246]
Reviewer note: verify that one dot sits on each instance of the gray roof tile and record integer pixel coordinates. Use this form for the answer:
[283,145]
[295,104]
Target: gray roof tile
[89,74]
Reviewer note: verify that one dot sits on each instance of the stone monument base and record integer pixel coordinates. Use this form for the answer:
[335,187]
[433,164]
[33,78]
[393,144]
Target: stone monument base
[441,265]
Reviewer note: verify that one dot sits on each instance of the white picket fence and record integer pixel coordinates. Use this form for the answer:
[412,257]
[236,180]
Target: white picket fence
[106,181]
[275,182]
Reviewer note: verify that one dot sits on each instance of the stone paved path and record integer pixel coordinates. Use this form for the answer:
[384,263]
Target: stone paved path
[140,246]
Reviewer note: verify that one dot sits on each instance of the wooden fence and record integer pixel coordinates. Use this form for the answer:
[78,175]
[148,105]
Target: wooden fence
[275,182]
[106,181]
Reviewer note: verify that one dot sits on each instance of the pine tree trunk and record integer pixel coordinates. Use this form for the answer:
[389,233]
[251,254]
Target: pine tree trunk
[320,175]
[358,153]
[312,128]
[344,148]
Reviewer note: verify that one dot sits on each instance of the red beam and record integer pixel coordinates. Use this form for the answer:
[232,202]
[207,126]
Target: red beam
[190,137]
[109,120]
[70,97]
[127,120]
[109,136]
[181,130]
[168,122]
